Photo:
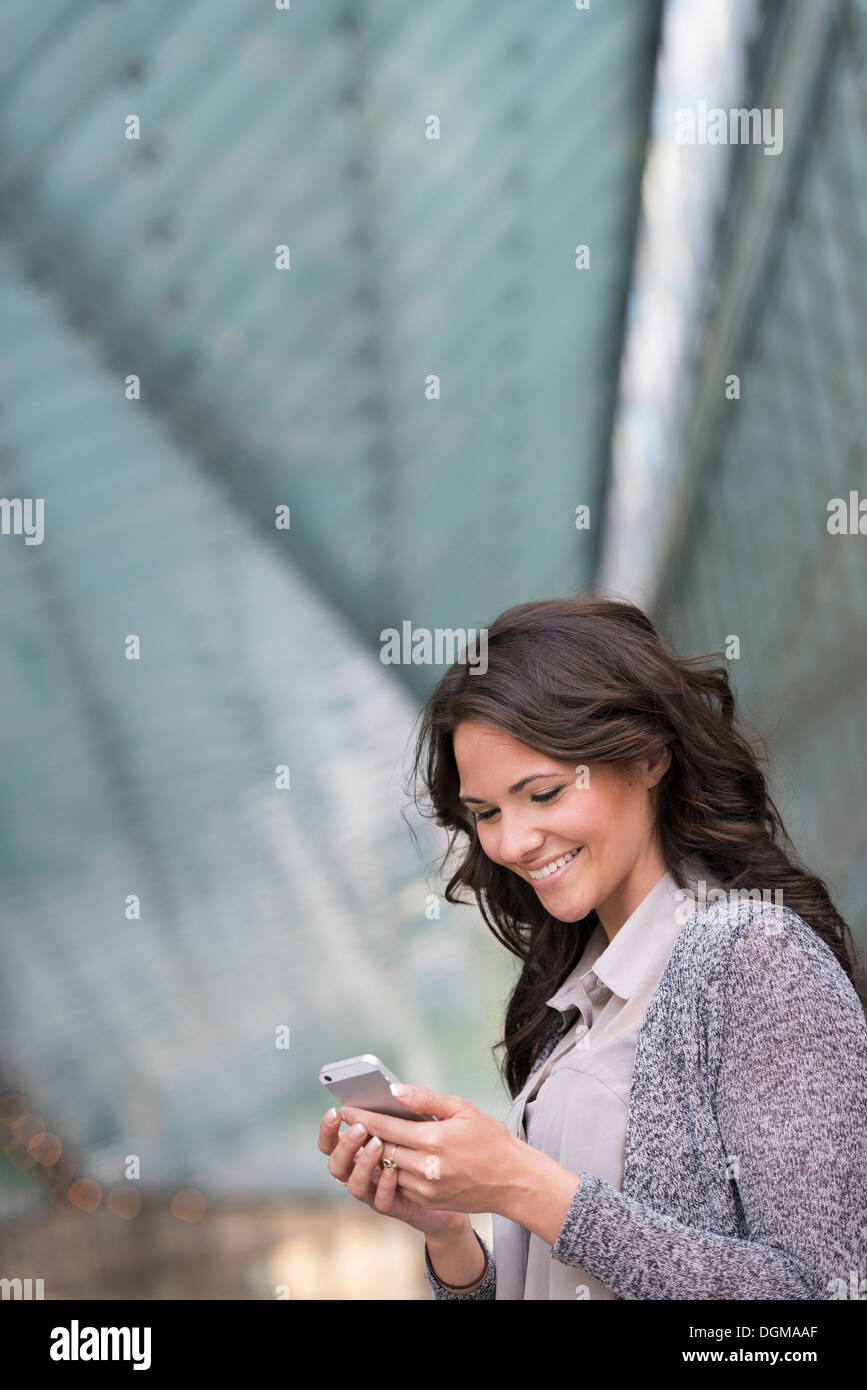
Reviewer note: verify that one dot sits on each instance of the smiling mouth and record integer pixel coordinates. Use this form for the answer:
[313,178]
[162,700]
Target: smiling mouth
[555,868]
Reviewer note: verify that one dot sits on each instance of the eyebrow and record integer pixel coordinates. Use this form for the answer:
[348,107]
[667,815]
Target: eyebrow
[519,786]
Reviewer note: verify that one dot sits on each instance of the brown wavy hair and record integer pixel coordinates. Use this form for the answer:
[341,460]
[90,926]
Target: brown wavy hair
[588,679]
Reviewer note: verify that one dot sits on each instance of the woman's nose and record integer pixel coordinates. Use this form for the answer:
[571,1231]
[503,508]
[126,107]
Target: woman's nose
[519,842]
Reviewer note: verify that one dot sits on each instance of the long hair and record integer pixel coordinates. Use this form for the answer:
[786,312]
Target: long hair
[586,680]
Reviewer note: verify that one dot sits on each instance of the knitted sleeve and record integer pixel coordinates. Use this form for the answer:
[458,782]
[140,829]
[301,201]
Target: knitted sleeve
[787,1068]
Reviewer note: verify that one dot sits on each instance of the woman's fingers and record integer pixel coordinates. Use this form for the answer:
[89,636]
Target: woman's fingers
[386,1189]
[361,1180]
[329,1131]
[355,1160]
[340,1164]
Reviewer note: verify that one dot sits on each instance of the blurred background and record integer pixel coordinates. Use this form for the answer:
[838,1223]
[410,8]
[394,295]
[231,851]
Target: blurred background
[317,319]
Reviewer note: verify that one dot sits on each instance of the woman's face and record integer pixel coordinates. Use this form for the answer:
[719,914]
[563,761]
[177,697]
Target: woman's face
[531,811]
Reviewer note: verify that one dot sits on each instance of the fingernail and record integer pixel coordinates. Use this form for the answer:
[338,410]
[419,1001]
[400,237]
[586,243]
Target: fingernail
[398,1090]
[374,1144]
[331,1116]
[359,1128]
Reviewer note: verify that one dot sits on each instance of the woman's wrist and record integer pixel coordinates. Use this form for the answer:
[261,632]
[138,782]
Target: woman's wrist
[445,1239]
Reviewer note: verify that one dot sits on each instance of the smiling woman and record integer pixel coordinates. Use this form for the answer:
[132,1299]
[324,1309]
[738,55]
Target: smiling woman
[675,1131]
[664,1139]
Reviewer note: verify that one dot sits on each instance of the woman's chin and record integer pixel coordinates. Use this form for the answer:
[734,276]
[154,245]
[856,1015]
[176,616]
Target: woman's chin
[570,910]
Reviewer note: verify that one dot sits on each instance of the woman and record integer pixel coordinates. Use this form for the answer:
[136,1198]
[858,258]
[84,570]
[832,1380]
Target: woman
[685,1047]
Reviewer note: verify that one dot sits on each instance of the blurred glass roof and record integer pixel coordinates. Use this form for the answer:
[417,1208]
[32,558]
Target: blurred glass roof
[410,257]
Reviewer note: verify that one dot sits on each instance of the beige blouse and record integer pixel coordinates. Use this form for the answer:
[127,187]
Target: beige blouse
[574,1107]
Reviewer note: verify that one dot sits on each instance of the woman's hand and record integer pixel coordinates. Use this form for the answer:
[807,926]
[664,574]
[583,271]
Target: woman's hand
[357,1163]
[464,1161]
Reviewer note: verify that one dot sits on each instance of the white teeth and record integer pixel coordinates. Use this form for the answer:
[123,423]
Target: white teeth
[553,867]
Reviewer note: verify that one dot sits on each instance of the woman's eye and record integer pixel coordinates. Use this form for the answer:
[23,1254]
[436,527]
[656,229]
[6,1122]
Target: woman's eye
[540,796]
[547,796]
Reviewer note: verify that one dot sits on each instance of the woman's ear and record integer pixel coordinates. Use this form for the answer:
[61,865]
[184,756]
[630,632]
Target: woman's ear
[657,765]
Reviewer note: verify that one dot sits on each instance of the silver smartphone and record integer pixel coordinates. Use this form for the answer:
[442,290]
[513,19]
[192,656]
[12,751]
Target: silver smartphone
[364,1081]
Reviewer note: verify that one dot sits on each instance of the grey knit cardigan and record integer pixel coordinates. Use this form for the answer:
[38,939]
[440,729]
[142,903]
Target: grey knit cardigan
[745,1170]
